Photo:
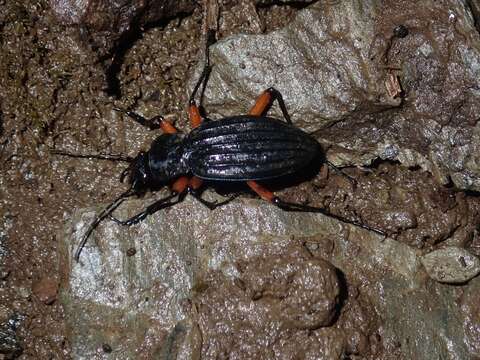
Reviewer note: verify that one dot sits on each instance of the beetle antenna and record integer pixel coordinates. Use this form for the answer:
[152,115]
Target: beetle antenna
[110,157]
[98,219]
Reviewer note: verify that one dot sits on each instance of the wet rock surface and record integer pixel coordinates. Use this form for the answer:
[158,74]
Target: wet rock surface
[253,284]
[252,281]
[270,301]
[414,209]
[396,81]
[289,284]
[10,346]
[46,290]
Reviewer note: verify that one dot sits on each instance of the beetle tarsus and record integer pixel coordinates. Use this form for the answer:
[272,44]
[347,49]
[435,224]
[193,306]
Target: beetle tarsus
[129,222]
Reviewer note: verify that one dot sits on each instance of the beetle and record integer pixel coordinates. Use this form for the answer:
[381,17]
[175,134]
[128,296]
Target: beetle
[243,148]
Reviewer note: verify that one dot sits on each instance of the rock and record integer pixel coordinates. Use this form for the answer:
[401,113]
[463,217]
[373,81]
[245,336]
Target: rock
[191,263]
[268,303]
[194,268]
[46,290]
[303,292]
[4,273]
[104,24]
[451,265]
[475,8]
[334,65]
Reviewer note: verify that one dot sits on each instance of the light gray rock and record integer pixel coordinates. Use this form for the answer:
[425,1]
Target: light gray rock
[451,265]
[471,316]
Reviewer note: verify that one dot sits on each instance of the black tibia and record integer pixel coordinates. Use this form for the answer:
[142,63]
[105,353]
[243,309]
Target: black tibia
[202,79]
[288,206]
[151,209]
[210,204]
[276,95]
[152,124]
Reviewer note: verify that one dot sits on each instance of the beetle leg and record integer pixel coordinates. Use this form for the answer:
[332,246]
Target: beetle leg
[157,122]
[261,191]
[194,189]
[210,40]
[193,112]
[151,209]
[178,189]
[288,206]
[212,205]
[99,218]
[194,183]
[180,185]
[266,194]
[264,101]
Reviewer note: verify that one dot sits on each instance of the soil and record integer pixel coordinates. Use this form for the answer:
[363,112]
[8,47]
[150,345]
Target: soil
[53,94]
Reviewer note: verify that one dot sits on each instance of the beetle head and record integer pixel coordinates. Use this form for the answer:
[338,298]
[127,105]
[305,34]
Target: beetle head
[137,173]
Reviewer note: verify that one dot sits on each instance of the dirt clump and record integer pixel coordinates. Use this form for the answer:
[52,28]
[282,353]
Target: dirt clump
[281,306]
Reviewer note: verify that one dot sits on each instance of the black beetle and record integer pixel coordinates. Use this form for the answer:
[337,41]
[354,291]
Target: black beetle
[243,148]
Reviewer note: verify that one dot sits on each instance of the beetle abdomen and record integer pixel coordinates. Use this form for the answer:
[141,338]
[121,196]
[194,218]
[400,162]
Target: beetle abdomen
[243,148]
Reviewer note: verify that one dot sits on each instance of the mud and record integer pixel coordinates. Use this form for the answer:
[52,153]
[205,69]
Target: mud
[274,310]
[54,94]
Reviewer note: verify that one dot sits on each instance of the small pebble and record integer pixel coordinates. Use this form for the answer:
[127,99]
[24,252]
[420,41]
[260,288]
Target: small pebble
[451,265]
[132,251]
